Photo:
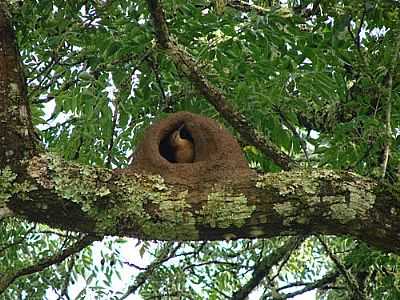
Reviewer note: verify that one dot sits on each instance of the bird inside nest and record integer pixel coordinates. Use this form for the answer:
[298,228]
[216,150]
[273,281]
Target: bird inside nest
[182,146]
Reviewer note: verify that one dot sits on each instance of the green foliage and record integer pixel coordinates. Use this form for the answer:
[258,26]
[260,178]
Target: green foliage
[302,76]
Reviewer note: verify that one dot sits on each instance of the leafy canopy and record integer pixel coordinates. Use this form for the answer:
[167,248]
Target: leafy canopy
[319,78]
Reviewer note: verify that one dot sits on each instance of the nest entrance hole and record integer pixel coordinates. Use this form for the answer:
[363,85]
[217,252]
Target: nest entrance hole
[165,148]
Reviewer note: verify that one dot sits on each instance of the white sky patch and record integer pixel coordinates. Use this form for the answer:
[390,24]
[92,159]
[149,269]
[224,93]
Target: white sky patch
[330,21]
[135,83]
[111,89]
[205,11]
[379,32]
[48,110]
[142,20]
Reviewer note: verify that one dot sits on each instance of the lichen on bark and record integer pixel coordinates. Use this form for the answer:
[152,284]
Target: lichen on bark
[224,209]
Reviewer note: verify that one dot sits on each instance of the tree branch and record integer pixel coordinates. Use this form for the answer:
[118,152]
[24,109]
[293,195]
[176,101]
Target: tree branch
[167,253]
[388,115]
[144,206]
[17,140]
[351,282]
[327,279]
[7,279]
[262,269]
[188,66]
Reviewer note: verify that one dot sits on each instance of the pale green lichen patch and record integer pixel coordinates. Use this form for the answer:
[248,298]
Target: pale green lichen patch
[342,213]
[314,200]
[7,178]
[326,174]
[393,211]
[170,217]
[9,187]
[139,199]
[288,211]
[289,183]
[173,213]
[37,169]
[256,231]
[13,90]
[79,183]
[158,183]
[83,185]
[5,212]
[359,200]
[224,209]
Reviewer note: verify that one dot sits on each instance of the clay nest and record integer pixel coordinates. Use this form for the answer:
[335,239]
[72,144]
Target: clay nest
[217,155]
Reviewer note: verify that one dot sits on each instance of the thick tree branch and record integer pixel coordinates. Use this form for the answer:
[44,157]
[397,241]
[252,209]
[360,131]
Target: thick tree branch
[188,66]
[17,135]
[143,206]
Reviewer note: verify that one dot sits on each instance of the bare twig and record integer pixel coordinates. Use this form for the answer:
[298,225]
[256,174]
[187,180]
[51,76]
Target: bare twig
[388,126]
[213,262]
[358,37]
[155,68]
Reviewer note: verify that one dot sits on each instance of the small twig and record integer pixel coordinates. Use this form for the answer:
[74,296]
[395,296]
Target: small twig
[320,283]
[351,282]
[358,38]
[389,86]
[293,129]
[7,279]
[213,262]
[130,264]
[262,269]
[168,252]
[357,42]
[113,127]
[64,290]
[388,126]
[155,68]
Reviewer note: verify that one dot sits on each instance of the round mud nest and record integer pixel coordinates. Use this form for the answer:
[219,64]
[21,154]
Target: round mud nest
[215,155]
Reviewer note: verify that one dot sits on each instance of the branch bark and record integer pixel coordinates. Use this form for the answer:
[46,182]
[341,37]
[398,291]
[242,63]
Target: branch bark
[17,134]
[144,206]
